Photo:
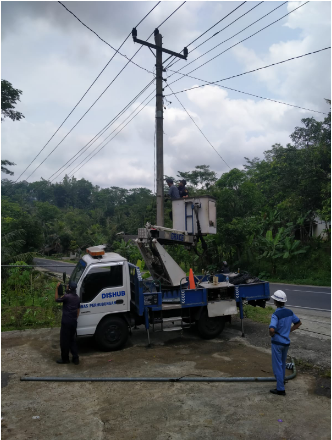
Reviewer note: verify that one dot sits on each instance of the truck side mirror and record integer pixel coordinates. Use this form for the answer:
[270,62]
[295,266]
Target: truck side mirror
[64,277]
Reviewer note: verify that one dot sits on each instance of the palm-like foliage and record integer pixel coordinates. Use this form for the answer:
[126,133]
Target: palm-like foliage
[11,245]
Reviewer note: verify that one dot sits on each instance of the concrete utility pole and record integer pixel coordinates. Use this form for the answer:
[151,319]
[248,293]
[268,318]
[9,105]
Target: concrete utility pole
[159,129]
[159,114]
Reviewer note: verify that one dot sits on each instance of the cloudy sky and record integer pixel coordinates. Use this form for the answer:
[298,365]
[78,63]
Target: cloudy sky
[54,59]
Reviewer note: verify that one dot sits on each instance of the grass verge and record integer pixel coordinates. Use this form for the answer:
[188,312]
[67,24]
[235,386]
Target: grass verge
[258,314]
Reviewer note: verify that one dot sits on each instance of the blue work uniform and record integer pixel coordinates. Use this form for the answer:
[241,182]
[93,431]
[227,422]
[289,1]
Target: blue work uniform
[281,321]
[173,192]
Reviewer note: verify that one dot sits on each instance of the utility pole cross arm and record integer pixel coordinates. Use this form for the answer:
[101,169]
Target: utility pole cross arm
[154,46]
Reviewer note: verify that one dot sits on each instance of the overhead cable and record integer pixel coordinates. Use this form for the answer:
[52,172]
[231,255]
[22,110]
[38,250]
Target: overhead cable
[247,38]
[214,35]
[244,73]
[102,92]
[200,130]
[108,44]
[81,99]
[116,134]
[79,154]
[101,132]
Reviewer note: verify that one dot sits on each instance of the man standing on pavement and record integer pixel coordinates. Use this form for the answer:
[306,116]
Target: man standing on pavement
[70,312]
[279,329]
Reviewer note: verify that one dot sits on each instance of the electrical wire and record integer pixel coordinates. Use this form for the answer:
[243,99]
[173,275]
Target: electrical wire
[111,122]
[116,134]
[108,44]
[73,170]
[128,104]
[82,98]
[214,35]
[102,131]
[247,38]
[273,100]
[103,91]
[244,73]
[200,130]
[217,23]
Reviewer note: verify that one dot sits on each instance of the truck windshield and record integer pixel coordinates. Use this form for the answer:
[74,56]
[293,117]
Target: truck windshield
[77,272]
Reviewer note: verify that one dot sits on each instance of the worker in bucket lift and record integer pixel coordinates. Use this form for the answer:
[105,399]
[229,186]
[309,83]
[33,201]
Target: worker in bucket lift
[173,191]
[184,194]
[70,312]
[279,329]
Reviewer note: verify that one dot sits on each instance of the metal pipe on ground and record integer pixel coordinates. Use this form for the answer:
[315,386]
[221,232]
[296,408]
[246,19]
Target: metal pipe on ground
[156,379]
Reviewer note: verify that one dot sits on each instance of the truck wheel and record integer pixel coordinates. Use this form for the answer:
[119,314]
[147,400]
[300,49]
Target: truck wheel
[210,328]
[112,333]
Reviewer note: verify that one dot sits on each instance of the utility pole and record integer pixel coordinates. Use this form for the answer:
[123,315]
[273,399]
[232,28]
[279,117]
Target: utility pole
[159,115]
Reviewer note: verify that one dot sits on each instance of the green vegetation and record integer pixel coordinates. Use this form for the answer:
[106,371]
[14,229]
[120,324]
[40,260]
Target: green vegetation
[266,213]
[27,299]
[258,314]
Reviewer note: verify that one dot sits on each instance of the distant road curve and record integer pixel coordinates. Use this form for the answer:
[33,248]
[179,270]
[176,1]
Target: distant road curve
[54,265]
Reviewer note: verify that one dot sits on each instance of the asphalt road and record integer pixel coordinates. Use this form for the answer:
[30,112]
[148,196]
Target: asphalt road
[307,297]
[55,266]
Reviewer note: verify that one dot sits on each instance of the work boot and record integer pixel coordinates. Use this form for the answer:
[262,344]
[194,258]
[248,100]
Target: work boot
[76,361]
[61,361]
[279,393]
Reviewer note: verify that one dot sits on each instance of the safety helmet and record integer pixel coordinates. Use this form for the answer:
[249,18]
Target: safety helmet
[280,296]
[224,263]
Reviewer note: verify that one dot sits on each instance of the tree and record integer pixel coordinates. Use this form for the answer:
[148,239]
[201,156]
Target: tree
[9,98]
[6,170]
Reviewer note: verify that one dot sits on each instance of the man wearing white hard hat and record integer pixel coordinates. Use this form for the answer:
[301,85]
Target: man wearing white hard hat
[279,329]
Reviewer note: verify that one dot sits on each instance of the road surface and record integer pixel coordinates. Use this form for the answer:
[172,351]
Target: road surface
[55,266]
[307,297]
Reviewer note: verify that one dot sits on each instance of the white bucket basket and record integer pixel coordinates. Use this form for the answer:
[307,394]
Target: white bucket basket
[184,215]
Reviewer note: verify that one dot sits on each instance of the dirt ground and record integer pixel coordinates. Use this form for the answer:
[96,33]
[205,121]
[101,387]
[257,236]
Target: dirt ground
[162,411]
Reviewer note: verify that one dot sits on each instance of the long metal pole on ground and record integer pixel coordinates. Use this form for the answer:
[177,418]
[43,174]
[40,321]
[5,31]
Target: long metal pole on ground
[159,130]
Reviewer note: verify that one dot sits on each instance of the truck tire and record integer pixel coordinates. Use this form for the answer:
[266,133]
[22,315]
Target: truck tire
[209,328]
[112,333]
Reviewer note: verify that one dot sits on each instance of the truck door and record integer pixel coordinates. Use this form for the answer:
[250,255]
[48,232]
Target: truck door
[103,290]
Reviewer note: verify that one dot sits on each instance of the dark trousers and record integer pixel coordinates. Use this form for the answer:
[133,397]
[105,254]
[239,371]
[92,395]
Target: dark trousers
[68,340]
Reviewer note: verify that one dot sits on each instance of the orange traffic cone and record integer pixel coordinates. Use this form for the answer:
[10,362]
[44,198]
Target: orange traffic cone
[191,279]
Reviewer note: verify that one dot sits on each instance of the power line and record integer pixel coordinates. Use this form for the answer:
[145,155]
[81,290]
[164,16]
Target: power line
[247,38]
[73,170]
[216,24]
[102,131]
[103,91]
[108,44]
[244,73]
[200,130]
[116,133]
[269,99]
[171,56]
[81,99]
[214,35]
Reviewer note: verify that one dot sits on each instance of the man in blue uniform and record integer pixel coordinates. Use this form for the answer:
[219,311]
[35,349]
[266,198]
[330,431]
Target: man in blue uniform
[279,329]
[70,312]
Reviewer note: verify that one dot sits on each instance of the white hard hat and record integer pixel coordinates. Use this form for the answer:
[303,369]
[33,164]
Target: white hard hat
[280,296]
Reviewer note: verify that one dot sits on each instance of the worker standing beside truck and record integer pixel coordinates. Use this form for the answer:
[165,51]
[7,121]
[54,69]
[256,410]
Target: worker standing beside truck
[279,329]
[70,312]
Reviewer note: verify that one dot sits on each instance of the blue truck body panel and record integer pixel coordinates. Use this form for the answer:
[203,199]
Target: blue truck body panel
[144,294]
